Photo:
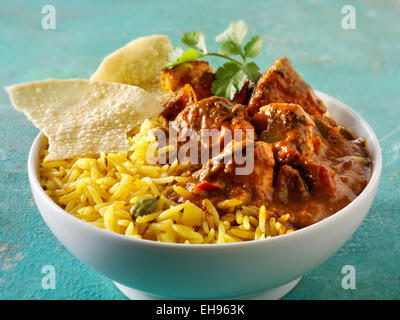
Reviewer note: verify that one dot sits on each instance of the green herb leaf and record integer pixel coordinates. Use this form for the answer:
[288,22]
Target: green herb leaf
[143,207]
[252,71]
[231,76]
[188,55]
[195,40]
[175,54]
[253,47]
[229,80]
[230,48]
[236,32]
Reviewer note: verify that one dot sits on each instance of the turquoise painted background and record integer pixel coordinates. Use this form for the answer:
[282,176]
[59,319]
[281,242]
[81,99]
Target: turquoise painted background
[360,67]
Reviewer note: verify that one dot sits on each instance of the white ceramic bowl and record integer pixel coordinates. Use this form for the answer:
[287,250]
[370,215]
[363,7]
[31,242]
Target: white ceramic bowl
[270,267]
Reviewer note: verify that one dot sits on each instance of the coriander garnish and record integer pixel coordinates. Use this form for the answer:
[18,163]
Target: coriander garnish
[232,75]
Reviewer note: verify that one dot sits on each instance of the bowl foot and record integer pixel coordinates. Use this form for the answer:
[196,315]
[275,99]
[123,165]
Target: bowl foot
[272,294]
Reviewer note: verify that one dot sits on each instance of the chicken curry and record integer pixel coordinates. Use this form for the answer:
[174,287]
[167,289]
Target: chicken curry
[305,163]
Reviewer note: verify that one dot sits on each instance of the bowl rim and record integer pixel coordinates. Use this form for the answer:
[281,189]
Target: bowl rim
[374,181]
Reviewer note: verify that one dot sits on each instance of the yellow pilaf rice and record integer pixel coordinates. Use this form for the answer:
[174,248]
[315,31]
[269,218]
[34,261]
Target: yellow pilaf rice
[101,189]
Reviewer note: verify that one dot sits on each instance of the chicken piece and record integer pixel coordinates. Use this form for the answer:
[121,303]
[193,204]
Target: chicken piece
[281,83]
[251,178]
[346,155]
[199,74]
[243,97]
[319,178]
[324,124]
[214,113]
[285,122]
[261,179]
[290,187]
[205,114]
[203,129]
[244,166]
[174,105]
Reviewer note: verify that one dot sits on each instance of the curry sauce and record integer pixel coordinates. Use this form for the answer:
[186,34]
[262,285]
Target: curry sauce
[304,163]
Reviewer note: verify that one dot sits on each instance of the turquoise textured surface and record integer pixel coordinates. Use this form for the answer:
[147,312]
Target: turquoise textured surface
[360,67]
